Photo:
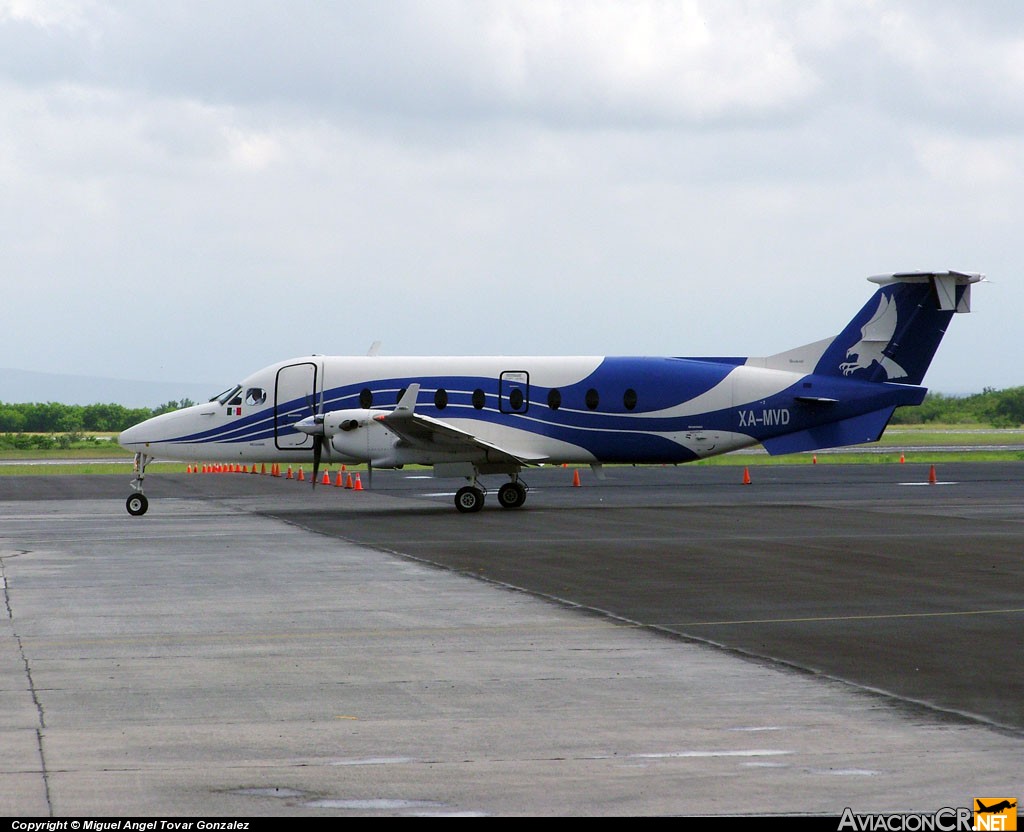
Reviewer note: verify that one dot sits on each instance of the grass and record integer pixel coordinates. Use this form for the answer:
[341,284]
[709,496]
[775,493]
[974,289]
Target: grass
[925,456]
[114,453]
[925,442]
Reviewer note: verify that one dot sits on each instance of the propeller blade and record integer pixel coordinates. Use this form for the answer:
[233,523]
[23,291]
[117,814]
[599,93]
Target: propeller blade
[318,444]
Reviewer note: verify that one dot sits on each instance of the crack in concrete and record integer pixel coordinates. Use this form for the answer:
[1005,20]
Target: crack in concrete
[40,713]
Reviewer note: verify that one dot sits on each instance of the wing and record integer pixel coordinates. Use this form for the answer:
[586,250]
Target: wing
[433,434]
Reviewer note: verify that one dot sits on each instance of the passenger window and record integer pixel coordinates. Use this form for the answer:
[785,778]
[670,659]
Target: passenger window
[515,399]
[629,399]
[592,399]
[366,398]
[479,399]
[554,398]
[441,398]
[255,396]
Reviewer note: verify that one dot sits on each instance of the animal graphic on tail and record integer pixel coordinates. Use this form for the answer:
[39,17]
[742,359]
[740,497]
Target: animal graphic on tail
[875,336]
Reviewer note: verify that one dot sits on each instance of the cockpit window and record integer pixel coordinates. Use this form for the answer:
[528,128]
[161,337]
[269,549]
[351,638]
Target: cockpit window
[255,396]
[229,395]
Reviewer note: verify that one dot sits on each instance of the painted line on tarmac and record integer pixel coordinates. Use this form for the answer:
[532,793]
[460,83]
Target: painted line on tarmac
[882,616]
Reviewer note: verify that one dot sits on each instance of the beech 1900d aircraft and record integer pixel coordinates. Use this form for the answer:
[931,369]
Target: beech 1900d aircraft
[470,417]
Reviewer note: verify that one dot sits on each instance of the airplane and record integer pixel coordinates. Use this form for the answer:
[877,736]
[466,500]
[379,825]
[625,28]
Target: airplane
[469,417]
[995,808]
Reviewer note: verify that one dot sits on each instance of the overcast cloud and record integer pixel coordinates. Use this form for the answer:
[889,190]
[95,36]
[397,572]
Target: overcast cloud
[190,191]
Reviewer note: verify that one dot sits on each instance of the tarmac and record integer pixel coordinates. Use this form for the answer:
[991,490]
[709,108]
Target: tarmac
[666,641]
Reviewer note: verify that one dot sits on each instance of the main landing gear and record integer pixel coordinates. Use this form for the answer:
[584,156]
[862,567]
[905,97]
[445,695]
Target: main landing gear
[470,498]
[137,503]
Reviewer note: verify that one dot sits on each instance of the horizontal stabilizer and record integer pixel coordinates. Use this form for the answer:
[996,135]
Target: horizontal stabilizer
[945,284]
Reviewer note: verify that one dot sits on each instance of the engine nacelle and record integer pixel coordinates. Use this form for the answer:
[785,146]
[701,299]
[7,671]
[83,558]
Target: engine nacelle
[356,436]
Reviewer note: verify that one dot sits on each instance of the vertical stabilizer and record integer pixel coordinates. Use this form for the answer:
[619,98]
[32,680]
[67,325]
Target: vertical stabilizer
[894,337]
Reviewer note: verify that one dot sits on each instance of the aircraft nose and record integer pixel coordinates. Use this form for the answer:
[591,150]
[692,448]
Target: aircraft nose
[130,437]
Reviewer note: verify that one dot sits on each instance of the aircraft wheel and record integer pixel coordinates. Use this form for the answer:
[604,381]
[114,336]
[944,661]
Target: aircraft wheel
[469,499]
[512,495]
[137,505]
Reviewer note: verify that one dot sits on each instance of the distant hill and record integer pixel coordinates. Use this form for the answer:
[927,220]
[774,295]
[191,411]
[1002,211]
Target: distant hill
[17,386]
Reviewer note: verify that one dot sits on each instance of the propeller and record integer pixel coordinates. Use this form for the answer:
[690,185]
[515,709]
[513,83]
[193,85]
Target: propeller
[318,444]
[313,426]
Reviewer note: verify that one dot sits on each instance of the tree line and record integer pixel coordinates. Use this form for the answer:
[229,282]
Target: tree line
[52,417]
[999,408]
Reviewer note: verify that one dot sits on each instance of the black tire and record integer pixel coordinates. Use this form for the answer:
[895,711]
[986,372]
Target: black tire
[512,495]
[137,505]
[469,499]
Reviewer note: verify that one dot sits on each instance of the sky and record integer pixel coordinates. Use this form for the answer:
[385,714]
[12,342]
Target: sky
[190,191]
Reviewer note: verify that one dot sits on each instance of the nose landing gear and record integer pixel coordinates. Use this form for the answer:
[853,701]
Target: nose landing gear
[137,503]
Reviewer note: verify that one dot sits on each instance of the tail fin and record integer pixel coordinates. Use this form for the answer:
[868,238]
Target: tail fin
[894,337]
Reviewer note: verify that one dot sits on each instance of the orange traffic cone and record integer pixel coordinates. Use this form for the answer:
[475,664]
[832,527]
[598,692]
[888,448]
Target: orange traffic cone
[302,476]
[575,477]
[290,476]
[339,482]
[326,480]
[746,476]
[343,468]
[359,484]
[348,480]
[254,471]
[931,476]
[814,460]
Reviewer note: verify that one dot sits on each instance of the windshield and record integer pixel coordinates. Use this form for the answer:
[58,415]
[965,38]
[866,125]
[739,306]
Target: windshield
[227,395]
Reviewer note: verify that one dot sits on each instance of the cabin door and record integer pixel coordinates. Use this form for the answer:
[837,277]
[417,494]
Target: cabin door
[296,396]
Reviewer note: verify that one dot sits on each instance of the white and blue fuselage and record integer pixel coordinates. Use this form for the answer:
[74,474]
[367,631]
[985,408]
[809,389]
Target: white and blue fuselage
[476,415]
